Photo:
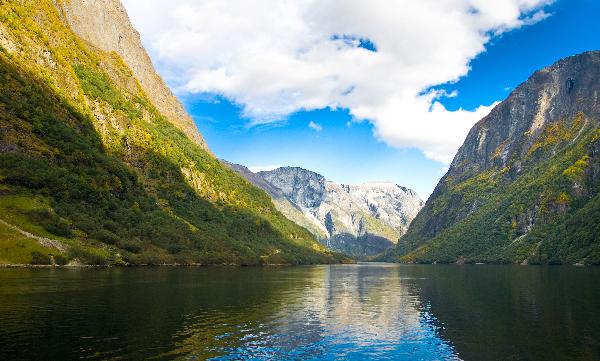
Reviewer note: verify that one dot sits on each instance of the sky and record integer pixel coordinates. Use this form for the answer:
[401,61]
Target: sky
[358,91]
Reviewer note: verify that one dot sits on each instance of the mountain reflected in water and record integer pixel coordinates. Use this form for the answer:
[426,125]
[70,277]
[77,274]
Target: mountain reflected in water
[344,312]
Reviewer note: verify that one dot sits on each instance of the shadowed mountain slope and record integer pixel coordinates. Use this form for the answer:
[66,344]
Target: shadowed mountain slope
[524,186]
[90,162]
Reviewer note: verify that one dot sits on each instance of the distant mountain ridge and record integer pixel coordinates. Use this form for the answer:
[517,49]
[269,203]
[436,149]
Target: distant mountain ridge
[525,185]
[357,220]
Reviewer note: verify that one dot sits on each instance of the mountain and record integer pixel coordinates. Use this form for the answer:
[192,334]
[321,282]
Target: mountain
[524,186]
[357,220]
[290,210]
[105,24]
[100,164]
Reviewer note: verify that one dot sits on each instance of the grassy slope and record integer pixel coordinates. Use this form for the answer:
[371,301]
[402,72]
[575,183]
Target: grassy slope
[17,248]
[556,188]
[108,174]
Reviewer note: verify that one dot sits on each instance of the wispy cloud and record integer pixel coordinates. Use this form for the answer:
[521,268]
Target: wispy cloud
[276,58]
[315,126]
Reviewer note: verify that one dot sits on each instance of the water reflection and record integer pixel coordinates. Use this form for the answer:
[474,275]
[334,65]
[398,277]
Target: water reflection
[344,312]
[399,312]
[516,313]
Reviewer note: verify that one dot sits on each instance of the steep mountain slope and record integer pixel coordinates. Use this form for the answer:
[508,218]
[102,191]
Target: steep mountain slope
[524,185]
[105,24]
[358,220]
[288,208]
[92,171]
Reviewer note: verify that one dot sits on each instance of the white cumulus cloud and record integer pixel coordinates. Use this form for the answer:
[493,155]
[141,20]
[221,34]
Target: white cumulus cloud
[380,59]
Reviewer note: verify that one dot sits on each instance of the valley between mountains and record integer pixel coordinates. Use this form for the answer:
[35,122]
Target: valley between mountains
[357,220]
[101,165]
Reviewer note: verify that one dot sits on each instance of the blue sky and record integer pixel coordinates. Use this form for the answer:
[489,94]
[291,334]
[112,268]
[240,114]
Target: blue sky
[333,140]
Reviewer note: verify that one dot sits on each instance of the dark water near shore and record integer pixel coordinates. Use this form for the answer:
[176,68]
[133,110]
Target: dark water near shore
[396,312]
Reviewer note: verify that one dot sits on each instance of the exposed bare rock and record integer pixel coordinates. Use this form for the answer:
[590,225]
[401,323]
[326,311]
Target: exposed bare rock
[105,24]
[46,242]
[358,220]
[6,42]
[523,186]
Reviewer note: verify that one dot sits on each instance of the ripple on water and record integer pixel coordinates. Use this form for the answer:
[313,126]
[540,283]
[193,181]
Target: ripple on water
[351,312]
[346,315]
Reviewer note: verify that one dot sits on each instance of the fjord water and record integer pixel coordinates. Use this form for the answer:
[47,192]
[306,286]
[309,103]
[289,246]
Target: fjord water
[364,311]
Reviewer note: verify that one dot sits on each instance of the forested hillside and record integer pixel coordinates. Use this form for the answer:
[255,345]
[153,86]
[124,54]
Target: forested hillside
[89,163]
[525,185]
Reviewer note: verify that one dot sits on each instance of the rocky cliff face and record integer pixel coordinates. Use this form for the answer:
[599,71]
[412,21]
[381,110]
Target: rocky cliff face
[358,220]
[525,174]
[303,187]
[550,97]
[105,25]
[283,204]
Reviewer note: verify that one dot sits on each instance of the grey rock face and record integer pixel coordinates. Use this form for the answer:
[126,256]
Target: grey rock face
[550,95]
[358,220]
[303,187]
[105,24]
[555,108]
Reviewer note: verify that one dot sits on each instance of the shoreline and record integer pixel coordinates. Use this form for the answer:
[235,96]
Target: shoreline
[193,265]
[198,265]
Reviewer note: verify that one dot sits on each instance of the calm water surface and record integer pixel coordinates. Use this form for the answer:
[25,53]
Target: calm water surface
[349,312]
